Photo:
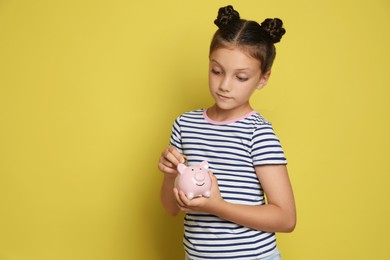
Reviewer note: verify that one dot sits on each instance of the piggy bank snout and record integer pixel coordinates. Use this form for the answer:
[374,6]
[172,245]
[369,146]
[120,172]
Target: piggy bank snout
[199,176]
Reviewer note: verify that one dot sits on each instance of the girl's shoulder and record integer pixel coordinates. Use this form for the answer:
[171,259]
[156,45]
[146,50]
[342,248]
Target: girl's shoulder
[196,112]
[257,120]
[191,115]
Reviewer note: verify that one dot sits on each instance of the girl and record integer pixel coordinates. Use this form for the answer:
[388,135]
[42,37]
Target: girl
[245,157]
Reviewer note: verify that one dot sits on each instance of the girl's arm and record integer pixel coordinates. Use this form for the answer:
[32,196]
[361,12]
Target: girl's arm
[167,197]
[169,160]
[278,215]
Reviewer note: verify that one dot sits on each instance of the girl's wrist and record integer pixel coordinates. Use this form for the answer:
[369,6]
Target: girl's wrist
[170,176]
[218,208]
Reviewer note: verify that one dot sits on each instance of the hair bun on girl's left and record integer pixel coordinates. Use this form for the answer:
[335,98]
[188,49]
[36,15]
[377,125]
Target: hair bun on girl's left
[226,15]
[274,28]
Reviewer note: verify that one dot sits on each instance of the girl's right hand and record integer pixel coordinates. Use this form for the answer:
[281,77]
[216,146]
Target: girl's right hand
[169,160]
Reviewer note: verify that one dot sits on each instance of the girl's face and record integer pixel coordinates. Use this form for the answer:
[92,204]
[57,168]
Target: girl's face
[233,77]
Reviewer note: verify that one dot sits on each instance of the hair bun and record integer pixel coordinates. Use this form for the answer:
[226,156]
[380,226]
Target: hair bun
[226,15]
[274,28]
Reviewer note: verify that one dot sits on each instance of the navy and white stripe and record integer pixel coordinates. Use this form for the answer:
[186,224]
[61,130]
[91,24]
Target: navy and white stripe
[232,150]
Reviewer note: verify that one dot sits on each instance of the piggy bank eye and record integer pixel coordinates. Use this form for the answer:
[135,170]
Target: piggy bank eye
[192,169]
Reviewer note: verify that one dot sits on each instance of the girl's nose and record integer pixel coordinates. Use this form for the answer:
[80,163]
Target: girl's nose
[225,85]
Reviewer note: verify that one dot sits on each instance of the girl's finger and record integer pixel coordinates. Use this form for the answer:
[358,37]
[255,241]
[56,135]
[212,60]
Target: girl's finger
[178,199]
[165,162]
[163,168]
[178,157]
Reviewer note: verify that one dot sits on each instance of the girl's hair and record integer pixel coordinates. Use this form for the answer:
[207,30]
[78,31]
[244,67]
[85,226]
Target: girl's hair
[256,39]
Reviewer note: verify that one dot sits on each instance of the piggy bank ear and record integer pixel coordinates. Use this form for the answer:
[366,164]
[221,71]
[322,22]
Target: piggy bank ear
[181,168]
[204,165]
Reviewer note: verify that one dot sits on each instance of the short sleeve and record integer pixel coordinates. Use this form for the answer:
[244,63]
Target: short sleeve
[266,147]
[176,135]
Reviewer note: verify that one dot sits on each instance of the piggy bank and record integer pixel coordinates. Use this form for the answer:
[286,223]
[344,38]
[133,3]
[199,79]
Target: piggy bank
[194,180]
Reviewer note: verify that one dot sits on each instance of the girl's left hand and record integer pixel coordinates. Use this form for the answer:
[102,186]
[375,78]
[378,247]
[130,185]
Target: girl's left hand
[201,204]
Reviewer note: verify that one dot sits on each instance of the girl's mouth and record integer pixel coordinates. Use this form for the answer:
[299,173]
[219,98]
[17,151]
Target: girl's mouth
[223,97]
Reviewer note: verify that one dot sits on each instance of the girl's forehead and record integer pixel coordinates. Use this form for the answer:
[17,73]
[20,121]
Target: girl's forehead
[247,49]
[234,56]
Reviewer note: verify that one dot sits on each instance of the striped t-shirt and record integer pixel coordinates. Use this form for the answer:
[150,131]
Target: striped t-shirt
[232,150]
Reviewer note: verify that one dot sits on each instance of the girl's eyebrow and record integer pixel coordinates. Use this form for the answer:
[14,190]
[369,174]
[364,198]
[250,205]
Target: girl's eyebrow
[219,64]
[215,61]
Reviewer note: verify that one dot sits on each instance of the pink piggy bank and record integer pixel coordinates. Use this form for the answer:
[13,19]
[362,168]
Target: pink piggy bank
[194,180]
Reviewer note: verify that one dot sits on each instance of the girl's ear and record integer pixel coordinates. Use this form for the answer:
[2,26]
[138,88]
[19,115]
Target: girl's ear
[264,79]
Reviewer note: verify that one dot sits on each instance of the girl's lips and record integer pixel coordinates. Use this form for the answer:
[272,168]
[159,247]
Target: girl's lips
[223,97]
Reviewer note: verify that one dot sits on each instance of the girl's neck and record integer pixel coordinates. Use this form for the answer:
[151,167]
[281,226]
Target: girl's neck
[221,115]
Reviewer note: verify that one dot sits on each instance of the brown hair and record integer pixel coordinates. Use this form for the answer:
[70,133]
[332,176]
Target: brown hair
[256,39]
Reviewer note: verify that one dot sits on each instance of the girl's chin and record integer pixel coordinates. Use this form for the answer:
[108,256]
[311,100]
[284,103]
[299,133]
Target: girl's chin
[223,106]
[228,109]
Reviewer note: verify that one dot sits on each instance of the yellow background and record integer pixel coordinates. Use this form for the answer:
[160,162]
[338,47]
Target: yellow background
[89,90]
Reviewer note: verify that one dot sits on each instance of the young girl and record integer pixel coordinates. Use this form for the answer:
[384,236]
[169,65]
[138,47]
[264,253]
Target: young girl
[245,157]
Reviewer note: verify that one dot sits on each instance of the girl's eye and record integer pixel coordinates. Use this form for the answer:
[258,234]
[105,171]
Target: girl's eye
[216,72]
[242,79]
